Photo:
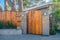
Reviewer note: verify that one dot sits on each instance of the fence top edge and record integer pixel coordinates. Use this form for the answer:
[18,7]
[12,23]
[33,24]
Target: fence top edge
[10,11]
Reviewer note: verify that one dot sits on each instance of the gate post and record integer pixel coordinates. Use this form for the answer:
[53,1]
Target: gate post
[45,21]
[24,23]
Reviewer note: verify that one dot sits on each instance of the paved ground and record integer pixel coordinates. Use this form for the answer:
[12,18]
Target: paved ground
[30,37]
[53,37]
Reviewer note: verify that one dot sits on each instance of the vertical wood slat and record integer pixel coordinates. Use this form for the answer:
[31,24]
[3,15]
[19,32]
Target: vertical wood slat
[34,22]
[29,21]
[8,16]
[13,17]
[0,15]
[40,21]
[3,16]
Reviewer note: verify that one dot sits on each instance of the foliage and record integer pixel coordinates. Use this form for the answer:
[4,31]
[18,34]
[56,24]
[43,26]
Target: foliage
[55,26]
[10,25]
[56,11]
[26,2]
[7,25]
[29,3]
[1,24]
[56,16]
[52,32]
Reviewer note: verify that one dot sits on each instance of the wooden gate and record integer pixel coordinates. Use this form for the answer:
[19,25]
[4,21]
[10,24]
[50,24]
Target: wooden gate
[34,22]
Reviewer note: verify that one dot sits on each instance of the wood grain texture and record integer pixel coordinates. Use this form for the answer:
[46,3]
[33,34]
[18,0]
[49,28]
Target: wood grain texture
[11,16]
[34,22]
[29,21]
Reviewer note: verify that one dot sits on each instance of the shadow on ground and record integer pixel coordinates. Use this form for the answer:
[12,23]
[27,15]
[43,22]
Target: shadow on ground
[30,37]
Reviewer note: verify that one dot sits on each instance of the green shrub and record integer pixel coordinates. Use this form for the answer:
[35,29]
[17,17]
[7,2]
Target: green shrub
[52,32]
[1,24]
[10,25]
[54,29]
[7,25]
[55,26]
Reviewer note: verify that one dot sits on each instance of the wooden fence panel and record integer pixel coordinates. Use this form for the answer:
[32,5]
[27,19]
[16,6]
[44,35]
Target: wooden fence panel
[13,16]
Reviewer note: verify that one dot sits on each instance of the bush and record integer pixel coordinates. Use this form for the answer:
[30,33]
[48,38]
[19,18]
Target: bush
[7,25]
[54,29]
[56,26]
[10,25]
[1,24]
[52,32]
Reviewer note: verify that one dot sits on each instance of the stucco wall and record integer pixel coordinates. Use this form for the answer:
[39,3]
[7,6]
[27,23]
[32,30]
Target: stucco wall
[24,23]
[46,25]
[45,21]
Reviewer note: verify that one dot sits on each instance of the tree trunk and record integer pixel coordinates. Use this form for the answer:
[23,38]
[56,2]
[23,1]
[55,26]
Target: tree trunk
[5,7]
[10,3]
[20,3]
